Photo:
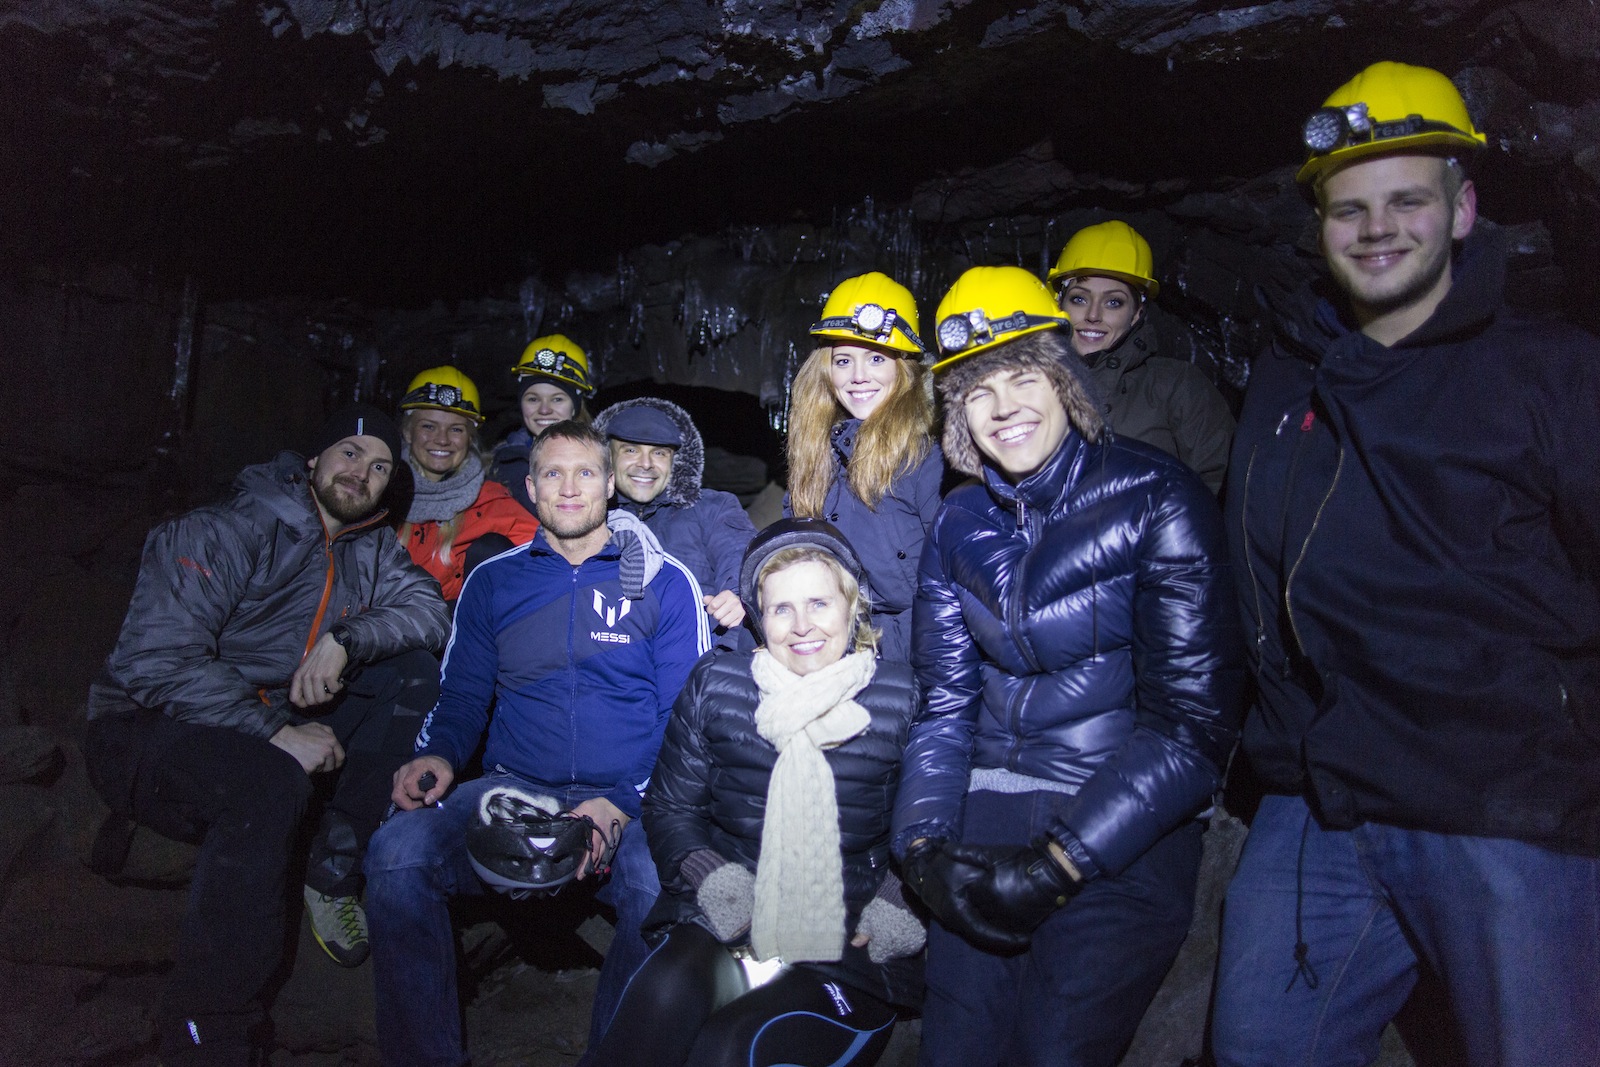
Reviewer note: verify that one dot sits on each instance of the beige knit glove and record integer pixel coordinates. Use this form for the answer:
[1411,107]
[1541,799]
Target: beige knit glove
[894,931]
[724,891]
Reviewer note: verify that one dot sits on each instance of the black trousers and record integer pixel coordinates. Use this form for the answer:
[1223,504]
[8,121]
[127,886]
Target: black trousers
[243,800]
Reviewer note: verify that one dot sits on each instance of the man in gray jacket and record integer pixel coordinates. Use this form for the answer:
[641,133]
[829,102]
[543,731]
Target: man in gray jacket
[272,640]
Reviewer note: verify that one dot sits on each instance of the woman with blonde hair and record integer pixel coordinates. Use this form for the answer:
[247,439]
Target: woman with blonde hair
[781,935]
[457,516]
[861,449]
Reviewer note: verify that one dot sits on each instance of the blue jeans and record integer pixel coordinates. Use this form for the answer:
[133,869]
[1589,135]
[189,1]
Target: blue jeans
[416,863]
[1511,929]
[1075,997]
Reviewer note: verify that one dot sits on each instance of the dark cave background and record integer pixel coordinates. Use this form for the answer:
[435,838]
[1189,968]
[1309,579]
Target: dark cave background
[220,219]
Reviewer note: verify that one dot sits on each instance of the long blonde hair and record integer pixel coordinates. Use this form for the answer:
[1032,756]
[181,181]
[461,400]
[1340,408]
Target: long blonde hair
[893,440]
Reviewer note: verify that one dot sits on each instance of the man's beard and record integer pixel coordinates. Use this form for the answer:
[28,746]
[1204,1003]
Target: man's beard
[346,502]
[572,529]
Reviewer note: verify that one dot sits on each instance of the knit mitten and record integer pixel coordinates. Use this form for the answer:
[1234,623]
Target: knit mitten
[895,932]
[725,892]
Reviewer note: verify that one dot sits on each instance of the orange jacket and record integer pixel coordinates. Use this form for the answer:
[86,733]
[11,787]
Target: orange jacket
[495,511]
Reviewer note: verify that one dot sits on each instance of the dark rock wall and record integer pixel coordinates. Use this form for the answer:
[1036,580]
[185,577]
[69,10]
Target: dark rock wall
[219,220]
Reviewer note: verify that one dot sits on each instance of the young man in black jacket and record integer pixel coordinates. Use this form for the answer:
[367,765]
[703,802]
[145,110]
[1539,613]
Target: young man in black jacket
[1415,531]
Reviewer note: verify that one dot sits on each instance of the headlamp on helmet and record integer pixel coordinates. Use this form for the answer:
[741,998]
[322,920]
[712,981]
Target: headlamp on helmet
[871,308]
[1330,127]
[434,395]
[871,322]
[557,357]
[445,389]
[966,329]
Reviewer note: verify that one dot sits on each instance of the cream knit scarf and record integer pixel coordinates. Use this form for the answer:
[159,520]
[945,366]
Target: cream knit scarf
[799,907]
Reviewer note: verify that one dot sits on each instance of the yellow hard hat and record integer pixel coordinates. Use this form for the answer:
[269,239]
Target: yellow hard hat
[1107,249]
[1389,107]
[873,308]
[989,306]
[444,389]
[556,356]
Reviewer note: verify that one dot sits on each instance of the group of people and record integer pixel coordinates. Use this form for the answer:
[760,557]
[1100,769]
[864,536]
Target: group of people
[943,739]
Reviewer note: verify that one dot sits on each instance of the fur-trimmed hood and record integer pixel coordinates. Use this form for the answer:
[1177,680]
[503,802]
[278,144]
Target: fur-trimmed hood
[688,465]
[1047,352]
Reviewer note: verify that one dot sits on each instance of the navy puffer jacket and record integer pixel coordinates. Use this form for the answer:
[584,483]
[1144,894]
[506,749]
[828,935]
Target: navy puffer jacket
[1077,627]
[709,791]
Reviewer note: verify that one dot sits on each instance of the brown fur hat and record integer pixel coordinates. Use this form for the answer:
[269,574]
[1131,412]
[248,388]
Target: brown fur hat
[1047,351]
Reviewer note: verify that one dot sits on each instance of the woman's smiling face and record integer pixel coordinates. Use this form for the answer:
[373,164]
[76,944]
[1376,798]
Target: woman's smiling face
[805,616]
[862,378]
[1102,311]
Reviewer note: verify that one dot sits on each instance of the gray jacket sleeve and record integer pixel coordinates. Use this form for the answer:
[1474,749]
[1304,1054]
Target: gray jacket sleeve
[406,610]
[166,656]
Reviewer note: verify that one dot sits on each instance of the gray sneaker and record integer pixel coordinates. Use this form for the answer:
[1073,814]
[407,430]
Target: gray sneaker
[339,925]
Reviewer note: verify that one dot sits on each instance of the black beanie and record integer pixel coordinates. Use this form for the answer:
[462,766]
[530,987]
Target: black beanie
[528,381]
[357,420]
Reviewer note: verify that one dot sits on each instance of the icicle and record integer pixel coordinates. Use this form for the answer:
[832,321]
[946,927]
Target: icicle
[184,347]
[629,299]
[1047,246]
[533,303]
[368,364]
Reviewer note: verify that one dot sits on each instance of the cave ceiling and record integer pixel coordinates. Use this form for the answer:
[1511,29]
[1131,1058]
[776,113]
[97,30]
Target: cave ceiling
[400,151]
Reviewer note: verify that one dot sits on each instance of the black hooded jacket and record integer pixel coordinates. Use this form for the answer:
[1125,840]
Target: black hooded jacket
[1416,535]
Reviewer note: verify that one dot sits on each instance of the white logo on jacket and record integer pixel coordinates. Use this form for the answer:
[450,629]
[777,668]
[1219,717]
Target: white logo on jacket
[610,612]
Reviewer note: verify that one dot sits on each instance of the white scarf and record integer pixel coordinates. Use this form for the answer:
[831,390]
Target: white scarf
[799,907]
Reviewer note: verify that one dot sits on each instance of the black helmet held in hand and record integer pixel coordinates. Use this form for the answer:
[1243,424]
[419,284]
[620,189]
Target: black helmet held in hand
[522,844]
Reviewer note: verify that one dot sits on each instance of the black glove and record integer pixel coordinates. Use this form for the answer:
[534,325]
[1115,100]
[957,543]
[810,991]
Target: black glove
[1021,891]
[942,874]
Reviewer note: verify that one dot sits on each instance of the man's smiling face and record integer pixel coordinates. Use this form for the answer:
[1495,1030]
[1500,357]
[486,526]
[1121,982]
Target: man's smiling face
[642,471]
[1017,420]
[1387,228]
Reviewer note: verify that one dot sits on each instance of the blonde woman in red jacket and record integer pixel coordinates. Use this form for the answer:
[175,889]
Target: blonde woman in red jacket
[457,517]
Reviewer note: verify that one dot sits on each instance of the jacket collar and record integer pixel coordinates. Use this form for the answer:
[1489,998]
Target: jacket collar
[844,436]
[1137,346]
[1319,315]
[283,487]
[540,546]
[1045,487]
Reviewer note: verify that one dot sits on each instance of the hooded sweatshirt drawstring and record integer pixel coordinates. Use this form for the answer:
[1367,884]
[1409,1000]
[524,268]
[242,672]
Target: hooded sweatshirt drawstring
[1302,951]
